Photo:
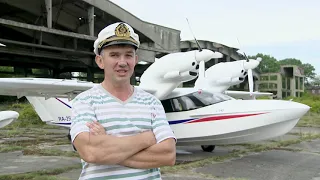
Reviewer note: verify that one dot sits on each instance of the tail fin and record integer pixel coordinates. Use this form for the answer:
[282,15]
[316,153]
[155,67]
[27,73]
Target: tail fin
[52,110]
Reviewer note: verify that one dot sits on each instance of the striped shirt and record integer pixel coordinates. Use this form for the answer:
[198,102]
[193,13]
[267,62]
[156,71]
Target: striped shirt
[142,111]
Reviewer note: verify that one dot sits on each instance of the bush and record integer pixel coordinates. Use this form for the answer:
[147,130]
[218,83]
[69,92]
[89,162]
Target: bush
[308,99]
[27,115]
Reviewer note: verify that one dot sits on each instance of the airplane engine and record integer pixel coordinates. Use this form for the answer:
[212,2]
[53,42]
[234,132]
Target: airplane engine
[171,70]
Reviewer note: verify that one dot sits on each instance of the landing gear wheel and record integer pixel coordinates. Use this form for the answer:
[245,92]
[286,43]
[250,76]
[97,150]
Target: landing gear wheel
[208,148]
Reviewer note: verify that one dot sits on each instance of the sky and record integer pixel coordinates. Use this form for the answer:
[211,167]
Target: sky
[279,28]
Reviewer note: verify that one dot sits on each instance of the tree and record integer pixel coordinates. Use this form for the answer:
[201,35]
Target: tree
[290,61]
[316,81]
[309,70]
[268,64]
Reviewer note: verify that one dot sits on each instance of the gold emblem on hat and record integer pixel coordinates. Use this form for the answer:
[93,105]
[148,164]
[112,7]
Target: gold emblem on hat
[122,30]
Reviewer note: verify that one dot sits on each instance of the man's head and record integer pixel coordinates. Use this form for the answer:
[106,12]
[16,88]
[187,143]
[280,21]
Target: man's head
[115,50]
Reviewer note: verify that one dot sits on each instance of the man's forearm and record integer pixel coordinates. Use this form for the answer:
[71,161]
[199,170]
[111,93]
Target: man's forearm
[162,154]
[107,149]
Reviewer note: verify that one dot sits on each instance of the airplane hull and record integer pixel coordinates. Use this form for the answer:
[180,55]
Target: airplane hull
[7,117]
[227,122]
[268,121]
[244,136]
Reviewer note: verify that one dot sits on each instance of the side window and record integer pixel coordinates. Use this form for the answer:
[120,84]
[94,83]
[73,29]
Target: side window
[192,101]
[188,104]
[167,106]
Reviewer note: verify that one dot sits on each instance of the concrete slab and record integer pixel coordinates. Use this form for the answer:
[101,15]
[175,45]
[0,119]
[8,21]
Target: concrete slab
[305,130]
[310,146]
[14,139]
[58,147]
[184,177]
[16,162]
[276,164]
[285,137]
[193,153]
[73,174]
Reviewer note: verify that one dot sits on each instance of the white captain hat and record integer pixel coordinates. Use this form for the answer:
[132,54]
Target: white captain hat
[117,33]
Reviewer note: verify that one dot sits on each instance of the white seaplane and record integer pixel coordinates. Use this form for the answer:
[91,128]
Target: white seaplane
[7,117]
[197,117]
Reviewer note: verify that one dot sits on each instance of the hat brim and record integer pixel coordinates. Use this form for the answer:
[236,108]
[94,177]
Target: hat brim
[119,42]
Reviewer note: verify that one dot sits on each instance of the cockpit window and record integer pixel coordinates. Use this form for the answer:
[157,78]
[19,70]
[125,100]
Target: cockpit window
[193,101]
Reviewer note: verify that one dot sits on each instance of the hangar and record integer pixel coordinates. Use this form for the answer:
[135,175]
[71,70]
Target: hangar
[53,38]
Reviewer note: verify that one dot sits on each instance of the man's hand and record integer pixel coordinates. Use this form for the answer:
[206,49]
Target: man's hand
[96,128]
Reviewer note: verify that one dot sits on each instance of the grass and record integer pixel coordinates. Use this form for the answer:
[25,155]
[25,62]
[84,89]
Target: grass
[28,125]
[49,152]
[310,120]
[40,175]
[239,153]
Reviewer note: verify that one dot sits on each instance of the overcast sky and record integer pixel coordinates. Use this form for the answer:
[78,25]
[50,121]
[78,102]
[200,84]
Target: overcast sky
[280,28]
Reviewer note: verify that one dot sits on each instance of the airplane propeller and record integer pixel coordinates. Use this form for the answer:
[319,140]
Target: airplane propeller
[199,47]
[201,63]
[249,65]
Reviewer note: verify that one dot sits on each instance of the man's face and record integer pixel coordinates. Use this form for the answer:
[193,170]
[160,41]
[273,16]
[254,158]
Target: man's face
[118,62]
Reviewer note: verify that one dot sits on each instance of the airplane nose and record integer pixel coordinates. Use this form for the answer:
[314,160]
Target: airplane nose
[299,109]
[251,64]
[206,54]
[303,108]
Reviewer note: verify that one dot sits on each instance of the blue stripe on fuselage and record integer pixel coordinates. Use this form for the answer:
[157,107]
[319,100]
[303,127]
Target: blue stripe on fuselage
[170,122]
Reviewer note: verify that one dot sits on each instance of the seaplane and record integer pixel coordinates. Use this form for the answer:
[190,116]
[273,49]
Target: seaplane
[198,115]
[7,117]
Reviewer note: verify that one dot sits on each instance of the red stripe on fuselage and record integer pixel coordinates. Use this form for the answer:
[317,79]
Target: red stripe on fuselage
[218,118]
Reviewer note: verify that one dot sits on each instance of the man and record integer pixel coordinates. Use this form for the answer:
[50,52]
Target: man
[119,130]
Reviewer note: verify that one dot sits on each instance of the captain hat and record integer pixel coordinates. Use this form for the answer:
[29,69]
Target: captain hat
[116,33]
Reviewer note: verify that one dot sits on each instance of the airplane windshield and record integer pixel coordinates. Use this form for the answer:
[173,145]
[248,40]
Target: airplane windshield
[192,101]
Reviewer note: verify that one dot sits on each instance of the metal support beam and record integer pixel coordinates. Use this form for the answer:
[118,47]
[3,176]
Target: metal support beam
[68,34]
[49,12]
[91,20]
[46,47]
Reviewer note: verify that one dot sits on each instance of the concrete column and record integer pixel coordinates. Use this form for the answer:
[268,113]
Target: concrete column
[228,58]
[293,86]
[75,43]
[91,20]
[90,75]
[133,80]
[302,83]
[216,61]
[256,85]
[49,12]
[56,73]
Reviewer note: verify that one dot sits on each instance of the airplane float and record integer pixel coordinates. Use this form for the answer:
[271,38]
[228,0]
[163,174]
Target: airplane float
[7,117]
[197,116]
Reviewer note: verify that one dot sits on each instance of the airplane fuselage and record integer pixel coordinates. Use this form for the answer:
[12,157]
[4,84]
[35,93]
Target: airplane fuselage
[197,118]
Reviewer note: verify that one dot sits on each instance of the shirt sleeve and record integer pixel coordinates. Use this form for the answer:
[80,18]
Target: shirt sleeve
[82,112]
[160,125]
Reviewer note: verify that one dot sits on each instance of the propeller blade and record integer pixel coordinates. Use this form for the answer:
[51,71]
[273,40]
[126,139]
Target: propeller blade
[199,47]
[202,69]
[250,80]
[246,56]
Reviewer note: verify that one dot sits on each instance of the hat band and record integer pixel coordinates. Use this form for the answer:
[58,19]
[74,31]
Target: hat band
[114,38]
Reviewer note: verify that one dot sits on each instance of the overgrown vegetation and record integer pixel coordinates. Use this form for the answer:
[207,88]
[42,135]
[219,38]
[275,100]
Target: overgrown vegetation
[27,115]
[41,175]
[309,99]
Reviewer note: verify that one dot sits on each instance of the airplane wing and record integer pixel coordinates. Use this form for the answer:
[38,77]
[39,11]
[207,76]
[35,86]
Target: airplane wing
[46,87]
[246,95]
